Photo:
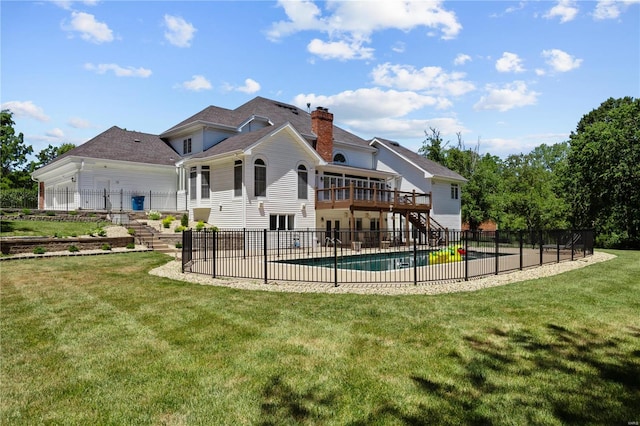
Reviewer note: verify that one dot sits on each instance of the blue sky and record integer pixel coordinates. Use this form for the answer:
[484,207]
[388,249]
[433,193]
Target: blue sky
[507,75]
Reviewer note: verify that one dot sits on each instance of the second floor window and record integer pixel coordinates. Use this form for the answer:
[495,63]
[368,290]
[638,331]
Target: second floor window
[205,186]
[303,179]
[455,191]
[339,158]
[186,146]
[260,177]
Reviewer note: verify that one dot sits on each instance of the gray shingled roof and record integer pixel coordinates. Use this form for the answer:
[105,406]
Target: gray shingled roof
[436,169]
[235,143]
[125,145]
[278,113]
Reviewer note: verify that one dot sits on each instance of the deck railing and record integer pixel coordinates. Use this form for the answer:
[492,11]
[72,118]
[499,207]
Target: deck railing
[364,197]
[329,256]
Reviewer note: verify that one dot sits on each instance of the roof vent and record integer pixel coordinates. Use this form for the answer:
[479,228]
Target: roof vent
[137,140]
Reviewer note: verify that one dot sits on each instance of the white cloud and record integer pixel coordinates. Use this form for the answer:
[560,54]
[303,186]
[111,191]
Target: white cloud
[196,84]
[461,59]
[611,9]
[399,47]
[65,4]
[55,133]
[250,86]
[89,29]
[565,9]
[341,50]
[79,123]
[118,70]
[504,147]
[179,32]
[509,62]
[350,24]
[561,61]
[26,109]
[506,97]
[433,80]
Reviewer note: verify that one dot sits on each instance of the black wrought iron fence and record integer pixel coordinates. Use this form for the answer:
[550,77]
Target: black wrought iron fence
[384,257]
[66,199]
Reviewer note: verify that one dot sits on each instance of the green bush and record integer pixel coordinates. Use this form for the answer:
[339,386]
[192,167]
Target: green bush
[39,250]
[73,213]
[178,245]
[154,215]
[131,246]
[184,221]
[26,212]
[101,232]
[131,231]
[179,228]
[50,213]
[73,249]
[166,222]
[200,226]
[106,246]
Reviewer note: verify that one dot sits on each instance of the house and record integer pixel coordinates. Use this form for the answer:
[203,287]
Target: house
[265,164]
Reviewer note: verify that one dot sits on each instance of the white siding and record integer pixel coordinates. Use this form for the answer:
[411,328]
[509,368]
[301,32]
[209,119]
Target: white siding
[445,209]
[355,157]
[411,177]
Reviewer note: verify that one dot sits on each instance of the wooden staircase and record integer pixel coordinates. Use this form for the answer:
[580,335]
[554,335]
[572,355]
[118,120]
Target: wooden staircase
[437,234]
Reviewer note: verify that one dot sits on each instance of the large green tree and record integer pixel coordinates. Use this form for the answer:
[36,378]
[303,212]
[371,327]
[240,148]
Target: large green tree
[14,154]
[603,172]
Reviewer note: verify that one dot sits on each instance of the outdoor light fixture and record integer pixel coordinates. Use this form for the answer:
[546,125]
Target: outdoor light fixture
[303,206]
[260,204]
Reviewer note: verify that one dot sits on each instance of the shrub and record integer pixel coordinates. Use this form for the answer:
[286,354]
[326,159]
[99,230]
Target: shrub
[26,212]
[39,250]
[101,232]
[154,215]
[131,231]
[178,245]
[131,246]
[179,228]
[50,213]
[73,213]
[73,249]
[92,214]
[184,221]
[166,222]
[106,246]
[200,225]
[74,234]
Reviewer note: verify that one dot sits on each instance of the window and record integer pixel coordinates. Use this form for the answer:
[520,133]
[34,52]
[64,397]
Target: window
[260,178]
[454,191]
[281,221]
[302,182]
[339,158]
[193,175]
[205,187]
[186,146]
[237,179]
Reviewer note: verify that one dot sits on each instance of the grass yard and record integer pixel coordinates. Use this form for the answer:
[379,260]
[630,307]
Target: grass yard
[96,340]
[37,228]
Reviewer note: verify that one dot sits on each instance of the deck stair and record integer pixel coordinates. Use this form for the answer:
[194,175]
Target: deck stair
[436,233]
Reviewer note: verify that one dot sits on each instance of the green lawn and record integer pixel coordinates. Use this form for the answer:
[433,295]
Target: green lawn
[38,228]
[96,340]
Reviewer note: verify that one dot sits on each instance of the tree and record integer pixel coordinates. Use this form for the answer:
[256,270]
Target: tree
[603,172]
[14,153]
[432,146]
[50,153]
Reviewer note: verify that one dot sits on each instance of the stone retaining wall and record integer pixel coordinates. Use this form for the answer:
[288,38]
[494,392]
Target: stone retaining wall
[15,245]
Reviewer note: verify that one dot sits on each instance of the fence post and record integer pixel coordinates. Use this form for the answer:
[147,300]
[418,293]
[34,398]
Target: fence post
[244,243]
[521,248]
[415,262]
[540,235]
[205,243]
[149,201]
[278,241]
[264,245]
[558,247]
[335,257]
[497,234]
[66,198]
[466,255]
[214,247]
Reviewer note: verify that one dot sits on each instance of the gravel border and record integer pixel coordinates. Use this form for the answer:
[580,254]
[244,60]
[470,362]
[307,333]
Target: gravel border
[173,270]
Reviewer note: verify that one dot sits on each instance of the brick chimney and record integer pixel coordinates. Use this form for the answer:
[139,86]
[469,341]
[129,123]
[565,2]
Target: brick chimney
[322,126]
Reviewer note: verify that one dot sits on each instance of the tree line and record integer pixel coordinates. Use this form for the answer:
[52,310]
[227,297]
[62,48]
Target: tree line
[590,181]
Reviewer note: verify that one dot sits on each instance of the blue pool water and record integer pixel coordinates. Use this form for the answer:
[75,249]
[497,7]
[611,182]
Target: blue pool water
[380,261]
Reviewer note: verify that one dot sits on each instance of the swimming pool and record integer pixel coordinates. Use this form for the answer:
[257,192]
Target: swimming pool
[380,261]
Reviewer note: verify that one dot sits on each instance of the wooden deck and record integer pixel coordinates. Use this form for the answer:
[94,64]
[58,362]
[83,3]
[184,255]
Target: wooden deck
[372,199]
